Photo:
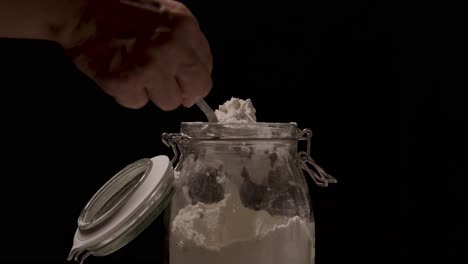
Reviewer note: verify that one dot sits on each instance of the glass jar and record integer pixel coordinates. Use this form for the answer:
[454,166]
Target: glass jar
[236,195]
[242,197]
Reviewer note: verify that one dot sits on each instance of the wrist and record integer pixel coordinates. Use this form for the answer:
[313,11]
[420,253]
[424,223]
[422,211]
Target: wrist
[54,20]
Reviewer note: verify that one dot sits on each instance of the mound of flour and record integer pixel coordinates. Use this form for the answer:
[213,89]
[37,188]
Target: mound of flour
[236,111]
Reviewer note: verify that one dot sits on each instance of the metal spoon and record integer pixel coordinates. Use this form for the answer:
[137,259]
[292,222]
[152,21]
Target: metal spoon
[207,110]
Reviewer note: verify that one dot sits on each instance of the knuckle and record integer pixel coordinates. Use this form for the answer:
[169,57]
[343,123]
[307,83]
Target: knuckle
[207,87]
[169,104]
[110,88]
[181,8]
[132,103]
[210,65]
[191,66]
[184,17]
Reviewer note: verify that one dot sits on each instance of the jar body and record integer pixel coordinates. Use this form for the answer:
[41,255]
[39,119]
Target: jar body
[240,200]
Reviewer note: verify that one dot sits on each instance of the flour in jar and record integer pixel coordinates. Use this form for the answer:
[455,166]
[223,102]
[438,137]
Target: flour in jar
[227,232]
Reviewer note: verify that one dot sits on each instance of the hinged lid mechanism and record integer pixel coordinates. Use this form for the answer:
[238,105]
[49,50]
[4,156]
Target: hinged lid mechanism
[123,208]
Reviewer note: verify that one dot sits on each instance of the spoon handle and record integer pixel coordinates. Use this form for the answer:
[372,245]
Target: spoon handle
[210,114]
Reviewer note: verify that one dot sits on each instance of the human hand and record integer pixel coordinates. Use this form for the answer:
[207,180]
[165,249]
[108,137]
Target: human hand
[138,55]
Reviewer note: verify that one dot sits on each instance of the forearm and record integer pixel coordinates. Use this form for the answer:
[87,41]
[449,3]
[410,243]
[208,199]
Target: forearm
[53,20]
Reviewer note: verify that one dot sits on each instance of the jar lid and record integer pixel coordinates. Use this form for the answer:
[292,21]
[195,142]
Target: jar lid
[123,208]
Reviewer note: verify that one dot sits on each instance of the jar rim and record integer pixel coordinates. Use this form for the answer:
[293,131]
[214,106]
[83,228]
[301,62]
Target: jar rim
[254,130]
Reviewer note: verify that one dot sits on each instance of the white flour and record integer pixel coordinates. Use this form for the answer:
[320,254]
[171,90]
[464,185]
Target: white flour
[227,232]
[236,111]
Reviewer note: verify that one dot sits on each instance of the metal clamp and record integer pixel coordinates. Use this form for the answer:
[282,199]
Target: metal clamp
[320,177]
[79,255]
[173,140]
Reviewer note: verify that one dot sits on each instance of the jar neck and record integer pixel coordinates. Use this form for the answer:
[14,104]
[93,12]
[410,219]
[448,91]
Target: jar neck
[240,148]
[240,131]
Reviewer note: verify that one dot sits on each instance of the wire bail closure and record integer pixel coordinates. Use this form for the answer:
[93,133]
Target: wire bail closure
[320,177]
[172,140]
[306,162]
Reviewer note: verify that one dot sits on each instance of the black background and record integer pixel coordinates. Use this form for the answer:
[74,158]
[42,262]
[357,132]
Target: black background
[331,66]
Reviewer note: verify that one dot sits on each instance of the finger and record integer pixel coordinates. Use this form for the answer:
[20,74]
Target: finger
[129,93]
[134,100]
[195,82]
[178,59]
[163,90]
[190,32]
[204,51]
[187,29]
